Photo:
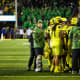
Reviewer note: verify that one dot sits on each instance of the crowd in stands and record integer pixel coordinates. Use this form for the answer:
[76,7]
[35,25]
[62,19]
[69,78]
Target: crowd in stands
[9,32]
[6,33]
[7,7]
[31,14]
[33,10]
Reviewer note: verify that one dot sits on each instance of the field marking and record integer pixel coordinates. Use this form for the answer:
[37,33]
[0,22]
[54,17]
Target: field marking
[17,56]
[14,39]
[17,63]
[23,68]
[13,63]
[17,59]
[38,76]
[15,47]
[12,69]
[13,59]
[13,56]
[26,43]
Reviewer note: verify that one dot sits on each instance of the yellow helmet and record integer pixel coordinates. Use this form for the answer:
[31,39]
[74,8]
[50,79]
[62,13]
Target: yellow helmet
[56,19]
[52,21]
[64,19]
[74,20]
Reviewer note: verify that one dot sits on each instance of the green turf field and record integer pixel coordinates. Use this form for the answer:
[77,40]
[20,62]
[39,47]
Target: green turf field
[14,56]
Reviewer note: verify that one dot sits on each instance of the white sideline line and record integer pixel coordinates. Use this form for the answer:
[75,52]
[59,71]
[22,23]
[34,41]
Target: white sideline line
[13,56]
[13,63]
[38,76]
[16,56]
[15,47]
[14,59]
[17,63]
[25,68]
[12,69]
[18,59]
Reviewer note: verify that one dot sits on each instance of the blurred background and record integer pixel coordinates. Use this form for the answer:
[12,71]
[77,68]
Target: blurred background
[16,16]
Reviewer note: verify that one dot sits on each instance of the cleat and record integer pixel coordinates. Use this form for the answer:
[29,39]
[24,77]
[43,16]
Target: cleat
[57,70]
[38,70]
[74,72]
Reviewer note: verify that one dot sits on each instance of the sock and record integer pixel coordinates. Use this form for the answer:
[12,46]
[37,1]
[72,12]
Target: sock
[52,68]
[39,64]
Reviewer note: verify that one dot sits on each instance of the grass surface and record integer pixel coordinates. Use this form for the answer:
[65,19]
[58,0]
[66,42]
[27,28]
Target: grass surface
[14,56]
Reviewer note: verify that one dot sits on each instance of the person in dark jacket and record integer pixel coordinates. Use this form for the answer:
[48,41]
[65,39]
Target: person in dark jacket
[32,55]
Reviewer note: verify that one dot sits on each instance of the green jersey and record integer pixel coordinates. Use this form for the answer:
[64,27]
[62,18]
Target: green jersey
[45,25]
[26,24]
[68,13]
[38,37]
[23,18]
[74,36]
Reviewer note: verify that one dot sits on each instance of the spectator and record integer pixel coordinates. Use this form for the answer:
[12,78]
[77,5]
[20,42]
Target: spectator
[4,31]
[32,55]
[11,33]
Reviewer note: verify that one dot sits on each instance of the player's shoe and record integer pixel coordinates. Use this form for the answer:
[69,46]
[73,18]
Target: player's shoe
[52,68]
[74,72]
[38,70]
[57,69]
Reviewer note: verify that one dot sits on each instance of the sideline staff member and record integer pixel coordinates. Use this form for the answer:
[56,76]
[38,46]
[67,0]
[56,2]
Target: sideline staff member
[38,37]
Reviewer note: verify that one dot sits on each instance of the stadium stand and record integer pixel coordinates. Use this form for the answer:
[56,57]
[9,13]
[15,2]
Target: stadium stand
[45,11]
[7,6]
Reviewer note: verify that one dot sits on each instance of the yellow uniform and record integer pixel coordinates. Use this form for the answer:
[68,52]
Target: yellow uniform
[47,49]
[56,42]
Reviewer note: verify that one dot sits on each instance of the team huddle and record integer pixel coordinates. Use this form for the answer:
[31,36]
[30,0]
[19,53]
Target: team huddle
[55,45]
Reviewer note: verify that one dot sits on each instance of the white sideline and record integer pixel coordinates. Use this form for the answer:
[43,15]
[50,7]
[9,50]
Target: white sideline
[16,56]
[13,47]
[12,56]
[17,59]
[17,63]
[12,69]
[12,63]
[37,76]
[13,59]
